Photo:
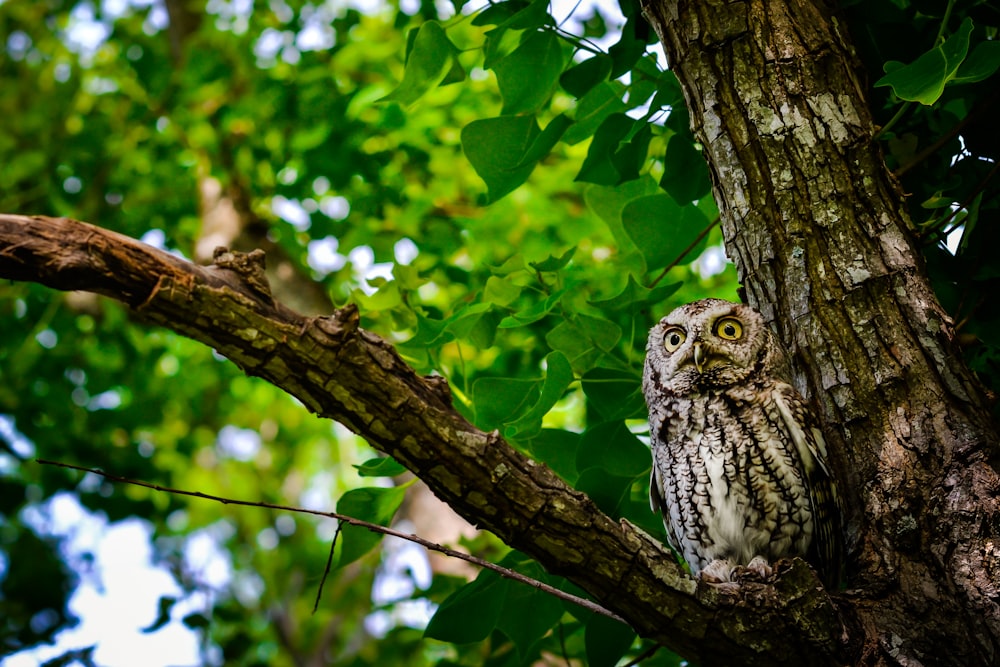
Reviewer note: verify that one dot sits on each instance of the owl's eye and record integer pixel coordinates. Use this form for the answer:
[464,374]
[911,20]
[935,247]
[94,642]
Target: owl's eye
[729,328]
[673,338]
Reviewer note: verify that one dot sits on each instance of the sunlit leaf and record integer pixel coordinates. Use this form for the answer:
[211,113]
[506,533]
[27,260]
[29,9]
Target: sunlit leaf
[496,146]
[372,504]
[383,466]
[553,263]
[608,203]
[544,142]
[532,313]
[432,59]
[501,291]
[924,79]
[528,76]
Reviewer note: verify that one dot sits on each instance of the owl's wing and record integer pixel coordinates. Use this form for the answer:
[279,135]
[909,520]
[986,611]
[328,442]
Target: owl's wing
[658,504]
[802,426]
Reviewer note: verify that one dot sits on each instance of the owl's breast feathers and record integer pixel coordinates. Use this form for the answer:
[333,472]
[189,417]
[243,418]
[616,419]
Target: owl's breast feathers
[740,472]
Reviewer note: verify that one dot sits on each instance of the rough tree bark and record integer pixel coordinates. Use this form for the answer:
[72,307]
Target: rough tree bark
[819,231]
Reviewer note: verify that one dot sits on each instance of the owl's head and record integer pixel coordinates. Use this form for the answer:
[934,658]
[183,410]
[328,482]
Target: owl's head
[711,343]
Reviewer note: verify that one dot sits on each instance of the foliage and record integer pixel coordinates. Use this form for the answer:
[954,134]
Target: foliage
[945,150]
[511,201]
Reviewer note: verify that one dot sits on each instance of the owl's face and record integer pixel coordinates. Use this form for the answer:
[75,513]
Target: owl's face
[709,344]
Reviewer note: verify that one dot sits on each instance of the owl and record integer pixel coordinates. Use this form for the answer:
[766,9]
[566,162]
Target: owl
[739,464]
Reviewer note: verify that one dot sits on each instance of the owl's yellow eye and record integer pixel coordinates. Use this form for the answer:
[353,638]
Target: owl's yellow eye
[673,338]
[729,328]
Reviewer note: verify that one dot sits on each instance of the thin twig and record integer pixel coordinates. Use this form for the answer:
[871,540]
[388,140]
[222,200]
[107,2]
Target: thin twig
[686,250]
[326,570]
[507,573]
[648,653]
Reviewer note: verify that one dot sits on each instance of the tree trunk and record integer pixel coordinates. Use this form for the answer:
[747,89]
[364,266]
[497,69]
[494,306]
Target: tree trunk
[818,229]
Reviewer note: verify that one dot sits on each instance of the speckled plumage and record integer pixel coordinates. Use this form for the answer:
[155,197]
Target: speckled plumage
[739,463]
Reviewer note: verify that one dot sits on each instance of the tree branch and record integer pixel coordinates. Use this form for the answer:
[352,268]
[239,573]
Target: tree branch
[505,572]
[340,371]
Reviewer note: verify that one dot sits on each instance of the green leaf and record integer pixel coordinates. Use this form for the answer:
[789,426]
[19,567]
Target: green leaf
[471,613]
[603,100]
[497,401]
[685,172]
[386,297]
[544,142]
[515,15]
[556,448]
[981,63]
[609,492]
[505,37]
[532,313]
[372,504]
[608,203]
[613,448]
[498,13]
[495,147]
[528,76]
[558,376]
[634,296]
[512,264]
[614,394]
[584,339]
[476,323]
[924,79]
[382,466]
[606,640]
[553,263]
[610,158]
[429,332]
[501,291]
[663,231]
[523,613]
[528,614]
[432,60]
[580,78]
[631,45]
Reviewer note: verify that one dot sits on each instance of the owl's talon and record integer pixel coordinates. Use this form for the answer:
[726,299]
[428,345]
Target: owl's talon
[718,572]
[759,566]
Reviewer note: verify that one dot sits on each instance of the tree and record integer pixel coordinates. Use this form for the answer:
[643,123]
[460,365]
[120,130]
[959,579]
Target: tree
[822,237]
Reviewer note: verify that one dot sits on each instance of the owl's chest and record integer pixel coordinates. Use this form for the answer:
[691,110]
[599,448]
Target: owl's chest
[717,424]
[728,449]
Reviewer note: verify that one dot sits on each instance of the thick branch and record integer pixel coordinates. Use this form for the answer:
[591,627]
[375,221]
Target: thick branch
[342,372]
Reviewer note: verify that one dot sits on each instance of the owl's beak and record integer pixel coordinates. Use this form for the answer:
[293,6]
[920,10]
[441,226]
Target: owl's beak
[699,357]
